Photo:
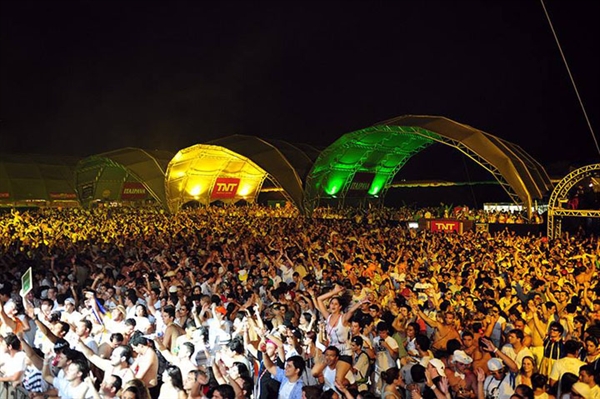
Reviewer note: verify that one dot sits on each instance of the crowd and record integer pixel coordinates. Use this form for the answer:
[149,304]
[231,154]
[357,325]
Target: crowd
[266,304]
[443,211]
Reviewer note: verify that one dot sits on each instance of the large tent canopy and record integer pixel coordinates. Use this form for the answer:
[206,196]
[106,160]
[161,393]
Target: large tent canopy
[207,173]
[363,163]
[277,158]
[234,168]
[31,179]
[127,174]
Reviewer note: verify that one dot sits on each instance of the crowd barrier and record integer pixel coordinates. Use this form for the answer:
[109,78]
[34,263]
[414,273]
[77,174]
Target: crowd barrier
[460,226]
[7,391]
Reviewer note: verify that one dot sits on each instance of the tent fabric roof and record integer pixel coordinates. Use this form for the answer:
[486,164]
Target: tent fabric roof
[380,152]
[269,158]
[199,173]
[37,177]
[147,166]
[525,176]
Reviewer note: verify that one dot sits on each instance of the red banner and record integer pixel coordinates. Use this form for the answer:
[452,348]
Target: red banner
[4,195]
[446,225]
[225,187]
[133,191]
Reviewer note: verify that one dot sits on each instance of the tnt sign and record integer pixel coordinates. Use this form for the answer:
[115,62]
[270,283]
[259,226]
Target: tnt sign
[445,225]
[225,187]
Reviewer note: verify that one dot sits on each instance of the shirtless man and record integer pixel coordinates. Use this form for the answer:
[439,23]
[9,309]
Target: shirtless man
[444,330]
[145,366]
[172,331]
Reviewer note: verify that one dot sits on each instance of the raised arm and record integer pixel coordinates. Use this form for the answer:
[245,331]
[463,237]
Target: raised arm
[46,374]
[36,360]
[350,312]
[489,347]
[269,365]
[102,364]
[322,298]
[415,305]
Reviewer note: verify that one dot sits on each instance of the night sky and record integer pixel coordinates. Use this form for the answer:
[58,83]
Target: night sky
[84,77]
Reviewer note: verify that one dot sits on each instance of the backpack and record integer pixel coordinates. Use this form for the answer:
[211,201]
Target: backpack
[367,377]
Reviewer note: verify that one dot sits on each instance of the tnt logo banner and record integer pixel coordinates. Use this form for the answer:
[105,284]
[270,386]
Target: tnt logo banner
[225,187]
[446,225]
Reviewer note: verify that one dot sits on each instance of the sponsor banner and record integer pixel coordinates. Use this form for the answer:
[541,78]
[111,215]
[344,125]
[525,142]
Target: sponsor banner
[63,195]
[225,187]
[4,195]
[87,191]
[446,225]
[133,191]
[361,183]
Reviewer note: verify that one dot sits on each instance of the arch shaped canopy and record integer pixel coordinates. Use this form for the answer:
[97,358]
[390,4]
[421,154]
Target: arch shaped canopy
[32,178]
[127,174]
[363,163]
[281,171]
[207,173]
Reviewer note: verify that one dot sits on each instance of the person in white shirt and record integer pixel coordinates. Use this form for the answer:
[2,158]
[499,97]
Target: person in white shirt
[386,349]
[515,348]
[83,331]
[71,385]
[568,364]
[12,359]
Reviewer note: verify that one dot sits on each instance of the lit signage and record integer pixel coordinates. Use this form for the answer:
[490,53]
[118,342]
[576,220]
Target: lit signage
[133,191]
[225,187]
[446,225]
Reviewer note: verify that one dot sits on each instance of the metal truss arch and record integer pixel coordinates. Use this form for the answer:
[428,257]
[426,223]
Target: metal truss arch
[559,196]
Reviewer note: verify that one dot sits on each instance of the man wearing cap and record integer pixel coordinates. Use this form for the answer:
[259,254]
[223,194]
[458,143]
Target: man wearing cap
[436,372]
[581,390]
[70,315]
[499,384]
[461,380]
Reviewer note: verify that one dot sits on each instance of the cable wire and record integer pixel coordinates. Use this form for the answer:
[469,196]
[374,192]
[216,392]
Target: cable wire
[571,77]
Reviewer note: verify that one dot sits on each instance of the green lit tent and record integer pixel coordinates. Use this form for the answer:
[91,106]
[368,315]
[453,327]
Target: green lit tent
[361,164]
[124,175]
[37,180]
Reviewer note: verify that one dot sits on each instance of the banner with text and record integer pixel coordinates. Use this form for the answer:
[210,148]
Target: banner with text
[360,184]
[446,225]
[133,191]
[225,187]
